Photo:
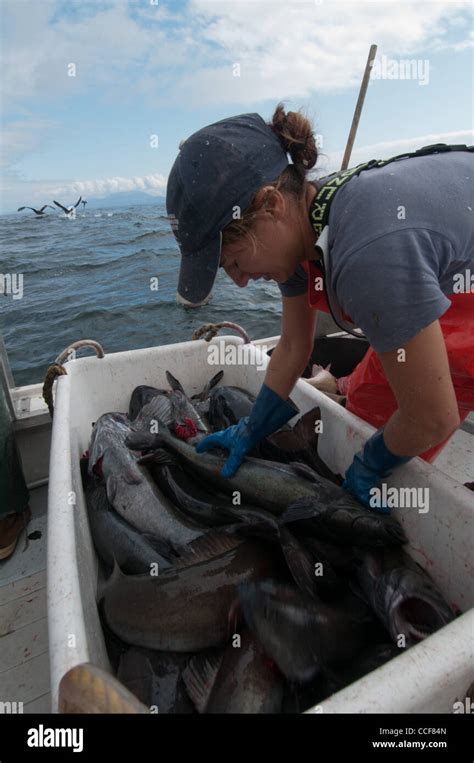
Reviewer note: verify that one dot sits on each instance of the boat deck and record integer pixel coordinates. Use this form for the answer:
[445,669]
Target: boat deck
[24,660]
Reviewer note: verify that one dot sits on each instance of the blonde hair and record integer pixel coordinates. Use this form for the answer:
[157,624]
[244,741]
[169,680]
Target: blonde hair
[296,136]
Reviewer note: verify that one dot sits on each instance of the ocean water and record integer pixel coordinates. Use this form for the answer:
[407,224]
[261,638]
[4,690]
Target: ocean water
[89,278]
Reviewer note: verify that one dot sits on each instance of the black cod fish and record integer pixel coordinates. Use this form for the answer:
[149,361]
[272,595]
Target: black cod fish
[115,539]
[402,595]
[183,415]
[227,405]
[275,487]
[304,637]
[187,608]
[312,572]
[264,483]
[175,410]
[192,498]
[239,679]
[337,520]
[155,678]
[130,488]
[340,558]
[172,406]
[215,508]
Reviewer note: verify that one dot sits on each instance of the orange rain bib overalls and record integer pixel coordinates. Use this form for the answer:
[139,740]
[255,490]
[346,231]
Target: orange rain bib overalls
[367,390]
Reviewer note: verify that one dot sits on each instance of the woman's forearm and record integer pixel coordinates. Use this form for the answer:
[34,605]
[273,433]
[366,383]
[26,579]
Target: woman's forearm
[421,382]
[287,363]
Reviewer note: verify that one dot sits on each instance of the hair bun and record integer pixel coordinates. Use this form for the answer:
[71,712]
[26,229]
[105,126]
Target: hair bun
[296,135]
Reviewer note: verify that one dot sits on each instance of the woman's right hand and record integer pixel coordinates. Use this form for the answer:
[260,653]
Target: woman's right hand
[268,414]
[236,439]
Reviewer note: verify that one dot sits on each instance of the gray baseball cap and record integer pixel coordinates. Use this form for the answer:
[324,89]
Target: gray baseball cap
[213,179]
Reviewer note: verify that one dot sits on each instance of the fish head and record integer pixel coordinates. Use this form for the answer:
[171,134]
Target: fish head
[185,416]
[187,430]
[109,431]
[414,606]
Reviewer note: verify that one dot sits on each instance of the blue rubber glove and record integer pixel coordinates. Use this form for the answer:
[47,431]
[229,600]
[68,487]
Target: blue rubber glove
[374,462]
[269,413]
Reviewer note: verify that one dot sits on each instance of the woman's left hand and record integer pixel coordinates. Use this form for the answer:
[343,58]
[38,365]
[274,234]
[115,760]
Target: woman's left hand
[368,468]
[420,378]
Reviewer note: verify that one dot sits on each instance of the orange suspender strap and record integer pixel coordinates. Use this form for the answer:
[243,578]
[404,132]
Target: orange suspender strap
[316,296]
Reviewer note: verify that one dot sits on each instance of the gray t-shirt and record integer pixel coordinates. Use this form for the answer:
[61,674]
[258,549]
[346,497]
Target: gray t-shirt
[398,235]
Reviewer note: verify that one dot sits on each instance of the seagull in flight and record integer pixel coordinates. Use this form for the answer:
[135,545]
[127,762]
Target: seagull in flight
[68,211]
[36,211]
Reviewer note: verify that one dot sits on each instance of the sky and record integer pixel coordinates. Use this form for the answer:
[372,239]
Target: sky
[97,94]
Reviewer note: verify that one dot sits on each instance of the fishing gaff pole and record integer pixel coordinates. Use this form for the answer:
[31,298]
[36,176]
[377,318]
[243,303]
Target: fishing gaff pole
[358,108]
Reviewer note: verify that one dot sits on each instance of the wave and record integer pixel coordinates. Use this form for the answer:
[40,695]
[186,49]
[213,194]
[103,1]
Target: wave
[129,312]
[61,268]
[142,236]
[136,239]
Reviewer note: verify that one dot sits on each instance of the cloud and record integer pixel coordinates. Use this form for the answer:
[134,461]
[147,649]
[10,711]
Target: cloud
[292,50]
[112,46]
[456,47]
[287,50]
[155,185]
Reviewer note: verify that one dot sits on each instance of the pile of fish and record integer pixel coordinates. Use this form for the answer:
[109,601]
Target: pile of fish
[263,593]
